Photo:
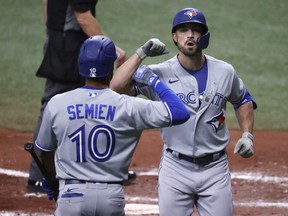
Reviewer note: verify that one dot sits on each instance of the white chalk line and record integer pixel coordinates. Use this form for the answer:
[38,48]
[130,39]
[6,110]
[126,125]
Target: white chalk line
[147,209]
[142,209]
[249,176]
[18,213]
[14,173]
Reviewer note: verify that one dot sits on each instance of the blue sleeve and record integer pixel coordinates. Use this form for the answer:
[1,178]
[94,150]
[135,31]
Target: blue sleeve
[247,97]
[178,111]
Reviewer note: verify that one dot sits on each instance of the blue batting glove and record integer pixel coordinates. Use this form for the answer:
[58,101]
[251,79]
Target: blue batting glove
[145,75]
[52,193]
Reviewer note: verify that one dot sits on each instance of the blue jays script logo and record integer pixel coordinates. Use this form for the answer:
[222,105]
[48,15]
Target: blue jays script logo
[190,14]
[190,98]
[217,121]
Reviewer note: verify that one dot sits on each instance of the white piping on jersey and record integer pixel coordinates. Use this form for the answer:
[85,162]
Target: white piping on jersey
[44,149]
[169,112]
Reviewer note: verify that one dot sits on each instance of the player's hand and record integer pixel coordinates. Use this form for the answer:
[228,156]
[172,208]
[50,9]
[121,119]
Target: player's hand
[244,146]
[153,47]
[145,75]
[52,193]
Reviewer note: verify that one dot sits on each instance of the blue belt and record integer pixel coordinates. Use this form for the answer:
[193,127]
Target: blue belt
[75,181]
[202,161]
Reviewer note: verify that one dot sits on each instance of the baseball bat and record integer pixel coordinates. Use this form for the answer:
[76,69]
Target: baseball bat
[30,148]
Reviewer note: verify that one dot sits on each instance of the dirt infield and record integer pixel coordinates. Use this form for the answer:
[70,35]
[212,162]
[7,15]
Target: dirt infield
[260,184]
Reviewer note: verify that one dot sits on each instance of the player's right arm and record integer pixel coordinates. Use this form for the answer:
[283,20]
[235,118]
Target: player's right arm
[46,141]
[122,81]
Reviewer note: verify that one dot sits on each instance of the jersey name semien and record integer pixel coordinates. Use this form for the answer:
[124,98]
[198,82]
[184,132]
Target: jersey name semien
[91,111]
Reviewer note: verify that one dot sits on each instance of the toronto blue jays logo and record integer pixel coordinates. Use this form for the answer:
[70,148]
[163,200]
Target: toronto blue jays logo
[217,121]
[191,14]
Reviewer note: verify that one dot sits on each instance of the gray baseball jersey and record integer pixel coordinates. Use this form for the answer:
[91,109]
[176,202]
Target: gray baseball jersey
[184,183]
[102,129]
[205,132]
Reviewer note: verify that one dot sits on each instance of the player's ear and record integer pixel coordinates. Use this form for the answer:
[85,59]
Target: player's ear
[174,38]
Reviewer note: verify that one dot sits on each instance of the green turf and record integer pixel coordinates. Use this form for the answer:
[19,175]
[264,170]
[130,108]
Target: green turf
[250,34]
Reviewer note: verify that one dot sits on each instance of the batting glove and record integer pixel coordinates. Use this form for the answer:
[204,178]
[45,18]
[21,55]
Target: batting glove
[52,193]
[244,146]
[153,47]
[145,75]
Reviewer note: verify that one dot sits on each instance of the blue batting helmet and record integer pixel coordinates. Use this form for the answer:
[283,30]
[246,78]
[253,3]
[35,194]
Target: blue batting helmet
[192,15]
[97,56]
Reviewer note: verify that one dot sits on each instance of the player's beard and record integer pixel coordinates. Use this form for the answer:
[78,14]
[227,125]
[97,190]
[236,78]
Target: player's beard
[195,50]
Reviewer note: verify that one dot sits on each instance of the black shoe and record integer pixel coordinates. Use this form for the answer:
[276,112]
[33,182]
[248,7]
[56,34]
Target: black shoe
[34,186]
[131,178]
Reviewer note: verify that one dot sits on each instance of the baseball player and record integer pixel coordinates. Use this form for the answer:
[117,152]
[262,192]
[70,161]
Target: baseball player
[194,170]
[93,131]
[68,23]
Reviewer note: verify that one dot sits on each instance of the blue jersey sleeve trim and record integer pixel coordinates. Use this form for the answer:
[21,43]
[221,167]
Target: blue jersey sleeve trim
[247,98]
[176,109]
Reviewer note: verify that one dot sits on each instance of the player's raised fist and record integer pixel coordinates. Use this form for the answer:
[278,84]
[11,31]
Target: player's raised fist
[153,47]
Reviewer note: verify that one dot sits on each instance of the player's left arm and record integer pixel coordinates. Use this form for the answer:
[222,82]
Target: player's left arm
[245,117]
[244,106]
[244,111]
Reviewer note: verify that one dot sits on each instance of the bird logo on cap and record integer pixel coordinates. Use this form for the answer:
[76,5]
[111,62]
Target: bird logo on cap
[191,14]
